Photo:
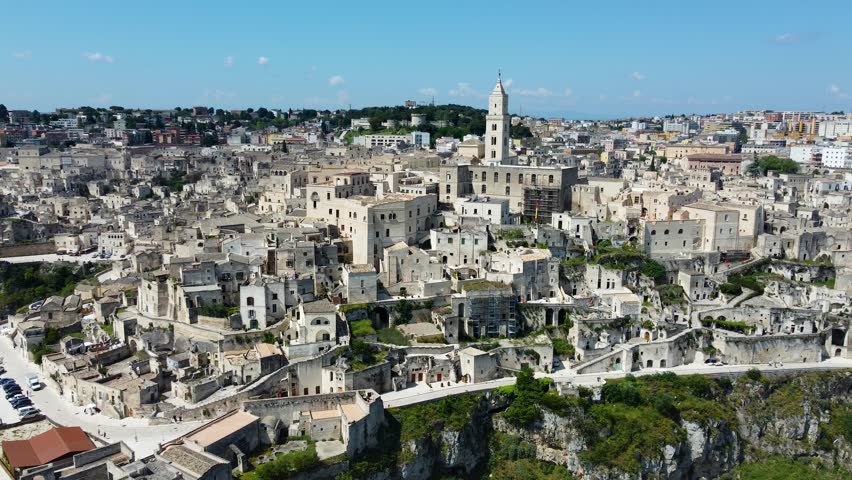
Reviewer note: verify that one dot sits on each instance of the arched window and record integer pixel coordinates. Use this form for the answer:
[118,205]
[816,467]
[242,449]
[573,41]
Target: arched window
[250,301]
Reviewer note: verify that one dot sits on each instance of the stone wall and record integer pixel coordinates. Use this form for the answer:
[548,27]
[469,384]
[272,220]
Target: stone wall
[377,377]
[764,349]
[27,249]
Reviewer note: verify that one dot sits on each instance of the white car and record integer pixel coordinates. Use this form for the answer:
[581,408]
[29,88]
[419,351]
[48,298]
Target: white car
[28,412]
[34,382]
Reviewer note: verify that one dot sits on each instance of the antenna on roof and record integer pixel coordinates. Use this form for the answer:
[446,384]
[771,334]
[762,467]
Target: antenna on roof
[499,74]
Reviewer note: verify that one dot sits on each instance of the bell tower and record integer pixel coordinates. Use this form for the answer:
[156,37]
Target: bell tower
[497,125]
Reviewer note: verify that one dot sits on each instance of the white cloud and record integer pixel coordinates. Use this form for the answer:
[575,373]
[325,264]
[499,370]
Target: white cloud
[25,55]
[229,61]
[637,76]
[838,92]
[537,92]
[507,83]
[218,95]
[336,80]
[568,92]
[427,91]
[102,98]
[98,57]
[637,93]
[786,38]
[463,89]
[262,60]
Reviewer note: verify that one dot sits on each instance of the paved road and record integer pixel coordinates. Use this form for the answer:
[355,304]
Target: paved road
[52,257]
[425,393]
[143,438]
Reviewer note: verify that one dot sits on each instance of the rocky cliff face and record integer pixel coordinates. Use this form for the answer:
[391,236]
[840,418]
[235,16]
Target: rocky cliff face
[707,451]
[462,451]
[790,417]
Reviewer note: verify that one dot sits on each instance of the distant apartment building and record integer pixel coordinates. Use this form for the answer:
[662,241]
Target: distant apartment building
[681,151]
[727,164]
[837,157]
[421,139]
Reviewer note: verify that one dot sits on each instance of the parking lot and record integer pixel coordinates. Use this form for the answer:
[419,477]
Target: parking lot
[7,413]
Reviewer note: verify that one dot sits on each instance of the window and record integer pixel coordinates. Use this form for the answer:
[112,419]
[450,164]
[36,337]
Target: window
[250,301]
[508,177]
[680,231]
[508,190]
[275,296]
[493,127]
[493,140]
[550,179]
[483,185]
[493,154]
[520,178]
[496,177]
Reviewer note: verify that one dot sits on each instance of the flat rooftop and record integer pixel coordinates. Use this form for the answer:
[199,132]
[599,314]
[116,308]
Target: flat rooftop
[221,428]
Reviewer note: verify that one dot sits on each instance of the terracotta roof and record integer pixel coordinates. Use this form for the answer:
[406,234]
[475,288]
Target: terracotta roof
[47,447]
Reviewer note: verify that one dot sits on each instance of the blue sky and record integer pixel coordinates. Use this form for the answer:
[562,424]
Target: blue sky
[593,59]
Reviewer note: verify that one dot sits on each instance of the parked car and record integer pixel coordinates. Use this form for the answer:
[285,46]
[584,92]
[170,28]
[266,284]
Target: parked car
[32,412]
[12,394]
[11,386]
[22,403]
[20,395]
[34,382]
[4,381]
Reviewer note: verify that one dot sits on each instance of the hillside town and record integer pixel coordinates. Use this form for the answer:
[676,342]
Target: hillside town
[198,293]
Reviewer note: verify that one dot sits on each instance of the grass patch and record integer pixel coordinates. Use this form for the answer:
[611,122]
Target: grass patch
[776,467]
[362,328]
[563,348]
[671,294]
[418,422]
[392,336]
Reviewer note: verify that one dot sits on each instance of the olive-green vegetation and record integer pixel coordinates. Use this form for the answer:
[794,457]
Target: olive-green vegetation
[288,464]
[529,395]
[733,326]
[730,289]
[424,420]
[217,310]
[653,270]
[23,284]
[513,458]
[671,294]
[362,328]
[392,336]
[351,307]
[510,234]
[776,467]
[563,347]
[641,415]
[772,163]
[752,281]
[460,120]
[364,355]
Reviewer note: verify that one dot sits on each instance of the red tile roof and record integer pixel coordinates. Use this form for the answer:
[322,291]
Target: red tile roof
[46,447]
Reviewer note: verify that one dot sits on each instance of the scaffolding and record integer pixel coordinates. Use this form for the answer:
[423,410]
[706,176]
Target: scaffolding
[493,315]
[541,203]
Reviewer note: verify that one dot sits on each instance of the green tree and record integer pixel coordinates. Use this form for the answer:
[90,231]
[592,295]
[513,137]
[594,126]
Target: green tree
[4,114]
